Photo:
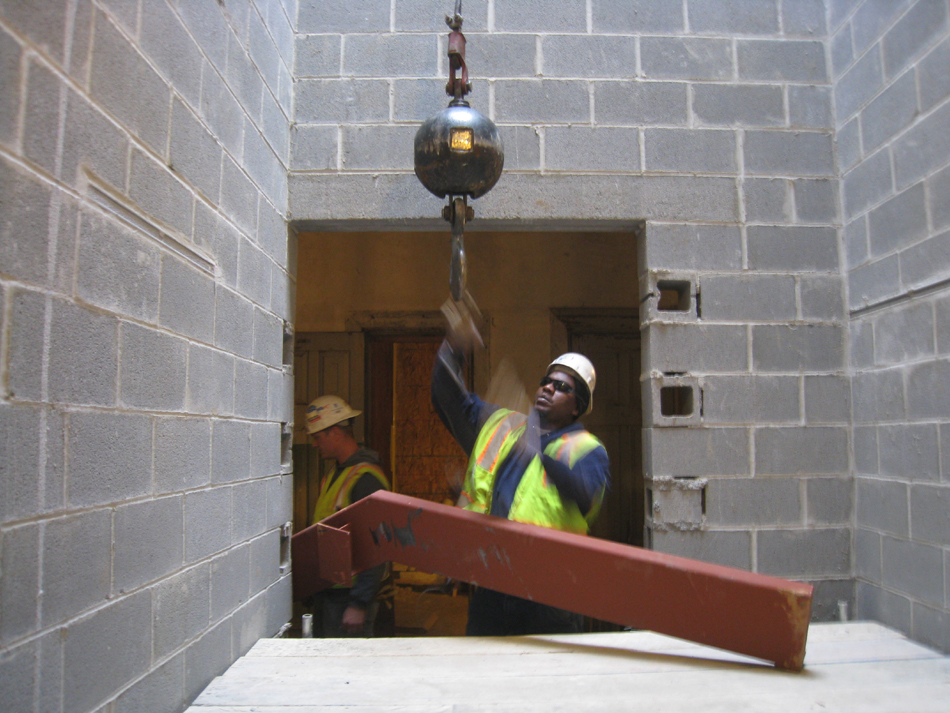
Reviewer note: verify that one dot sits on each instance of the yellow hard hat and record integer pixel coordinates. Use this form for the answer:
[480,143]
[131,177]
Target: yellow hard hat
[581,366]
[328,411]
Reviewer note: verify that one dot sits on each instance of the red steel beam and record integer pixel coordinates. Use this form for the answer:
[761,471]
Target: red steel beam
[753,614]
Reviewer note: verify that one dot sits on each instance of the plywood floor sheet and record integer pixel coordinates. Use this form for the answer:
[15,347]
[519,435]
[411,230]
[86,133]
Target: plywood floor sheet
[854,666]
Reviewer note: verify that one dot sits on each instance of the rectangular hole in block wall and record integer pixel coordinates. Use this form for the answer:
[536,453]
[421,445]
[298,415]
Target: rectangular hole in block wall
[286,447]
[676,400]
[288,352]
[674,295]
[286,532]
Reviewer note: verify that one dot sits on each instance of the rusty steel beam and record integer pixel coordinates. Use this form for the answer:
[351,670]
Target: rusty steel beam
[747,613]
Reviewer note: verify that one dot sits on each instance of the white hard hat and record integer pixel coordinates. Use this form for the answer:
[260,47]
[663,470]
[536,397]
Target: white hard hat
[581,366]
[327,411]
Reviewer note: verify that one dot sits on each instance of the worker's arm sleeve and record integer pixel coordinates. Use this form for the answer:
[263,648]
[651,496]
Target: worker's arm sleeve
[366,584]
[587,481]
[462,412]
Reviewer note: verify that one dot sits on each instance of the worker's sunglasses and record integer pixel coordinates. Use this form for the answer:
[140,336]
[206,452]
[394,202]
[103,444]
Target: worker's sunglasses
[559,385]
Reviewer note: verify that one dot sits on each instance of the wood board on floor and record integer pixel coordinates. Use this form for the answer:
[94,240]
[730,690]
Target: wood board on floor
[855,666]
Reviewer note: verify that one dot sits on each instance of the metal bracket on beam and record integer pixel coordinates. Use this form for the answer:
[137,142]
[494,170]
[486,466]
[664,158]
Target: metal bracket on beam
[732,609]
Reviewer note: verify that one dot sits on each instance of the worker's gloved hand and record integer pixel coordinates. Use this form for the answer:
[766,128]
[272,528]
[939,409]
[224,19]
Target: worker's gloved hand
[532,432]
[464,320]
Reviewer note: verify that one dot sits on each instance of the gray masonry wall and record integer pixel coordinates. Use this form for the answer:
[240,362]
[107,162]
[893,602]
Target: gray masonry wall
[712,121]
[145,284]
[889,63]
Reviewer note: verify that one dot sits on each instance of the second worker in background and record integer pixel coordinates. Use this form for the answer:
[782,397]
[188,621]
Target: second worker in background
[544,468]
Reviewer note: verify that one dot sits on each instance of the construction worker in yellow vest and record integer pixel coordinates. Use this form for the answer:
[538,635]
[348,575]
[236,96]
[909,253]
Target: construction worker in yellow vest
[346,610]
[542,468]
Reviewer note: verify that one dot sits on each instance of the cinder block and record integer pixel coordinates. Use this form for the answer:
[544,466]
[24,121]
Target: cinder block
[842,51]
[541,101]
[934,80]
[148,541]
[676,503]
[250,399]
[27,315]
[254,277]
[882,505]
[809,107]
[696,349]
[919,27]
[732,549]
[280,395]
[848,142]
[276,129]
[342,16]
[827,399]
[750,399]
[805,17]
[273,237]
[268,338]
[752,298]
[904,334]
[186,305]
[153,369]
[877,396]
[753,501]
[18,674]
[792,248]
[738,105]
[248,518]
[781,60]
[522,147]
[830,500]
[379,147]
[673,401]
[44,25]
[283,295]
[877,604]
[767,200]
[867,184]
[693,58]
[634,103]
[804,553]
[914,568]
[25,210]
[341,100]
[315,148]
[583,148]
[899,222]
[938,188]
[110,457]
[501,55]
[809,449]
[233,320]
[929,508]
[220,240]
[182,454]
[667,296]
[95,667]
[692,247]
[869,23]
[535,16]
[122,81]
[931,627]
[193,152]
[822,298]
[279,611]
[280,492]
[865,450]
[390,55]
[165,683]
[19,555]
[858,85]
[603,56]
[93,142]
[220,110]
[927,262]
[117,270]
[816,201]
[809,347]
[690,150]
[720,16]
[789,153]
[418,16]
[230,451]
[942,318]
[922,149]
[166,43]
[265,560]
[207,658]
[265,449]
[867,554]
[41,115]
[926,390]
[210,381]
[207,522]
[889,113]
[265,169]
[873,283]
[856,244]
[909,452]
[696,451]
[20,444]
[82,357]
[238,197]
[417,99]
[230,581]
[210,29]
[244,81]
[181,608]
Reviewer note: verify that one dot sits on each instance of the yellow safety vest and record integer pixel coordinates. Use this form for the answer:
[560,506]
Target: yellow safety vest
[335,494]
[536,501]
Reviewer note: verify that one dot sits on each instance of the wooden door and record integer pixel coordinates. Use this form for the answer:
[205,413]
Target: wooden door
[324,363]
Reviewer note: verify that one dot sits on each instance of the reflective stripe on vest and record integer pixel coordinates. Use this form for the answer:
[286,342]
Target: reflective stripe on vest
[535,501]
[335,493]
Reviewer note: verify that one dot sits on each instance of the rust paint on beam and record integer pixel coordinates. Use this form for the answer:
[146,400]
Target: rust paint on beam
[732,609]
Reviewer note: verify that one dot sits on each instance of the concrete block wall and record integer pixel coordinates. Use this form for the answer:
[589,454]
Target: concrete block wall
[892,100]
[712,120]
[145,282]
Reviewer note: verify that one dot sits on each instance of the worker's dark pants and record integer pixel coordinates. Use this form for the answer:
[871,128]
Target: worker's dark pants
[492,613]
[332,604]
